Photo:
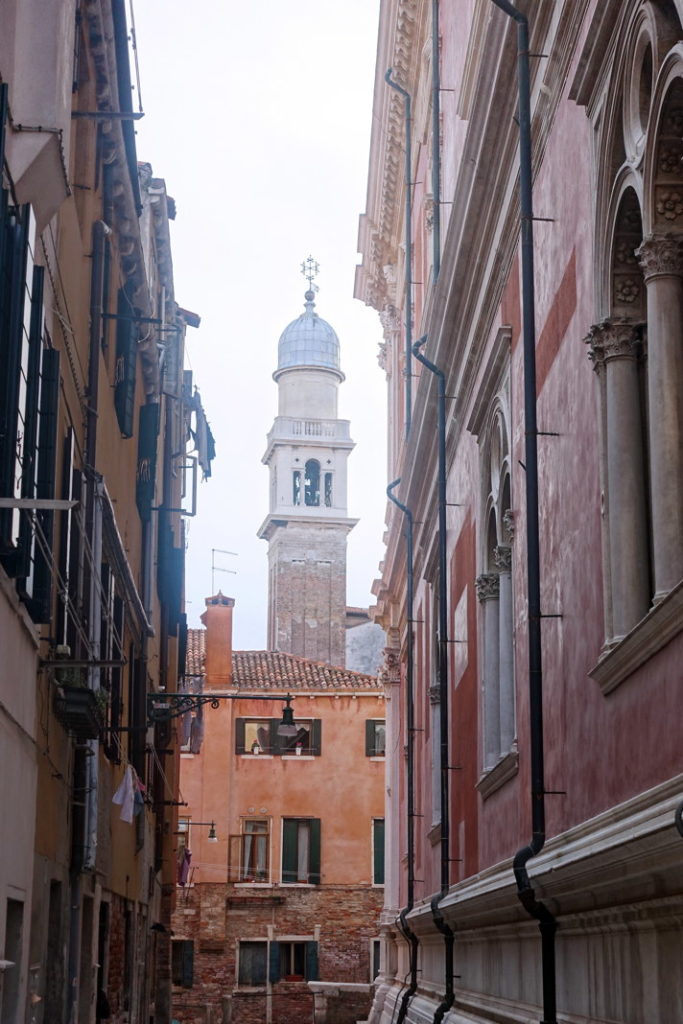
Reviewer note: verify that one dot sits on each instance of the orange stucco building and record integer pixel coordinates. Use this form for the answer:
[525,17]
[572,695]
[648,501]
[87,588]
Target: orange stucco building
[283,878]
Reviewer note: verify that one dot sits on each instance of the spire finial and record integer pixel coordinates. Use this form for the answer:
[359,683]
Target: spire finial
[310,268]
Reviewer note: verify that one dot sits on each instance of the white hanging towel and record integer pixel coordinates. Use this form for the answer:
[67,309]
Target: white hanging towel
[125,795]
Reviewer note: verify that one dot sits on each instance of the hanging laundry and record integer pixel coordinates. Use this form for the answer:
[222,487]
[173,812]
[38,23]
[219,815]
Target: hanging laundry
[125,795]
[184,867]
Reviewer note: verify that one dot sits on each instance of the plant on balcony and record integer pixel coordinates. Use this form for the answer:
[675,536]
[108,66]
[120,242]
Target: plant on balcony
[79,709]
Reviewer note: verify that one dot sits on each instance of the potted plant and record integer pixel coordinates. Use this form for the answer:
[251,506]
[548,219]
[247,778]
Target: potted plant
[76,706]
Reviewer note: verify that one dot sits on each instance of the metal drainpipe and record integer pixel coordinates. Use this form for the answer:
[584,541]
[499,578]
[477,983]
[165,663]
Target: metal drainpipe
[409,934]
[525,891]
[439,921]
[409,251]
[436,148]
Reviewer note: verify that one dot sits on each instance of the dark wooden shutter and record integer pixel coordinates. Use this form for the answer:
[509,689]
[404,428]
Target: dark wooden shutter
[290,828]
[147,459]
[274,962]
[126,361]
[369,737]
[316,736]
[276,747]
[41,609]
[314,854]
[378,851]
[239,736]
[29,445]
[311,961]
[14,242]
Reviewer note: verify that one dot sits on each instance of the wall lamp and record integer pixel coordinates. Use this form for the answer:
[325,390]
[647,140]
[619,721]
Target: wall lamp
[211,838]
[162,707]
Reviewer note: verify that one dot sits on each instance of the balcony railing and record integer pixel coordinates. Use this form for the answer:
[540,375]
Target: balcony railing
[290,427]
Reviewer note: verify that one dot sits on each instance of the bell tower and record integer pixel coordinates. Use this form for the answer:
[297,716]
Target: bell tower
[307,522]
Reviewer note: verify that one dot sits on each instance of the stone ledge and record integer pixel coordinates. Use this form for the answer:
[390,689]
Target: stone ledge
[661,624]
[495,777]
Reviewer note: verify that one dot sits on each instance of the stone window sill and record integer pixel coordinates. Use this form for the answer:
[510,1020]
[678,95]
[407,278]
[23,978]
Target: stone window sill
[493,778]
[621,659]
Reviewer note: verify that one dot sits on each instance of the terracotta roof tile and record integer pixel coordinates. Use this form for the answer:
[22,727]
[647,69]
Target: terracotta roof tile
[274,670]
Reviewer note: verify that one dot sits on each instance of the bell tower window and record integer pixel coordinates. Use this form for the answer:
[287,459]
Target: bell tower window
[312,482]
[296,487]
[328,490]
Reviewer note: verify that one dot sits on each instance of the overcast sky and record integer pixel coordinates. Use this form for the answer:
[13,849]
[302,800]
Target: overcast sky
[258,117]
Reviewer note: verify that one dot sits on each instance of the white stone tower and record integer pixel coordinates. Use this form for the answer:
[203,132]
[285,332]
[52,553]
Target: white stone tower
[307,523]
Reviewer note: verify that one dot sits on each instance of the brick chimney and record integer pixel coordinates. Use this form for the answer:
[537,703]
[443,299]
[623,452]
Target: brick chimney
[218,642]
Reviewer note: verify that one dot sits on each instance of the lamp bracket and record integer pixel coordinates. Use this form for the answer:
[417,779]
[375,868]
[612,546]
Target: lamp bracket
[162,707]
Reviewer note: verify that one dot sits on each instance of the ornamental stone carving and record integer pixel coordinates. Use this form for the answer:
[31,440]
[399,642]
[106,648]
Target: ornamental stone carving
[390,319]
[509,523]
[625,254]
[670,157]
[612,339]
[626,290]
[434,694]
[661,254]
[673,121]
[488,586]
[669,204]
[502,556]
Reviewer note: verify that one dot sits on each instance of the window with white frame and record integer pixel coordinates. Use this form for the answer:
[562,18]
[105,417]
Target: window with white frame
[249,852]
[494,590]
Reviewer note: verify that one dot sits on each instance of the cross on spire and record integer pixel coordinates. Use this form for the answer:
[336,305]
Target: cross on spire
[310,268]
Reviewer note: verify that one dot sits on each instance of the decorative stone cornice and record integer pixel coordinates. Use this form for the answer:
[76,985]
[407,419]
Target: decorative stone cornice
[488,586]
[661,256]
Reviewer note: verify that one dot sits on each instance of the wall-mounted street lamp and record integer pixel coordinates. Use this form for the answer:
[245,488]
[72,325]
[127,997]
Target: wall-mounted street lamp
[162,707]
[211,838]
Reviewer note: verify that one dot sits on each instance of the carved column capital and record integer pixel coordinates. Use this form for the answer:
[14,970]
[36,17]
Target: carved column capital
[390,319]
[661,255]
[502,556]
[390,672]
[434,694]
[614,338]
[488,586]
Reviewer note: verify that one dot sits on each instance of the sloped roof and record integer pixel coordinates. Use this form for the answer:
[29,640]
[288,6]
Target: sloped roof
[275,670]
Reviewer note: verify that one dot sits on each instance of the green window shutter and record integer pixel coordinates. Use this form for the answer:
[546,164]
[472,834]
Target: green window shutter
[239,736]
[274,962]
[369,737]
[275,746]
[188,963]
[147,459]
[14,250]
[311,961]
[290,827]
[126,362]
[314,855]
[378,851]
[316,736]
[29,446]
[46,483]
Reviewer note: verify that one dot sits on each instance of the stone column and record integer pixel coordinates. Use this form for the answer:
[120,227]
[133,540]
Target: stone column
[503,558]
[614,355]
[487,591]
[661,258]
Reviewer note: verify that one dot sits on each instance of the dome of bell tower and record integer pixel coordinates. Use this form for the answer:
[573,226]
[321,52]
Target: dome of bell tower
[308,341]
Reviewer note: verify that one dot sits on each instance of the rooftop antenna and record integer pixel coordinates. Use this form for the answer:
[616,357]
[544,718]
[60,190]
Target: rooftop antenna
[217,568]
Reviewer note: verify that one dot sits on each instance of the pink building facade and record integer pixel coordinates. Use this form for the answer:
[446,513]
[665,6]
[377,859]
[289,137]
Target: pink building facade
[591,828]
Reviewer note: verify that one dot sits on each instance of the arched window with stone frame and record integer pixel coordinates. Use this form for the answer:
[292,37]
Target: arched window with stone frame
[636,106]
[312,482]
[495,594]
